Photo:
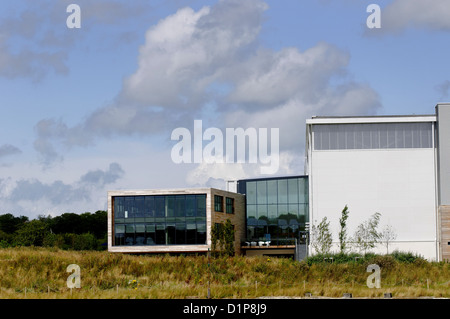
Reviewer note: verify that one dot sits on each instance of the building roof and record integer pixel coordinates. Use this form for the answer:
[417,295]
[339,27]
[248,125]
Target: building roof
[371,119]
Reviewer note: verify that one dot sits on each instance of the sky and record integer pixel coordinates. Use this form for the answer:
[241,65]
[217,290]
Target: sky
[91,109]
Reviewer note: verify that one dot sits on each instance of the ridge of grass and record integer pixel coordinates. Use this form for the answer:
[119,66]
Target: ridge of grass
[34,272]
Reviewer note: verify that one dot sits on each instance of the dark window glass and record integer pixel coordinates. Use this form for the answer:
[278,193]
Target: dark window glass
[118,208]
[149,206]
[160,206]
[180,206]
[229,205]
[201,205]
[170,206]
[190,206]
[218,203]
[161,219]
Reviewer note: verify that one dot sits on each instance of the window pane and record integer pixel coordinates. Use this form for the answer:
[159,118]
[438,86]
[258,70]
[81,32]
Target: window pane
[170,206]
[302,190]
[292,191]
[149,206]
[201,205]
[129,201]
[251,211]
[251,193]
[282,191]
[138,206]
[230,205]
[272,193]
[190,205]
[119,229]
[160,204]
[272,213]
[218,203]
[180,206]
[261,190]
[262,211]
[201,233]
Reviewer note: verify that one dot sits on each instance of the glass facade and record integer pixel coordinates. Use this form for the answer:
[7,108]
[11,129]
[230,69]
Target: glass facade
[159,220]
[277,208]
[372,136]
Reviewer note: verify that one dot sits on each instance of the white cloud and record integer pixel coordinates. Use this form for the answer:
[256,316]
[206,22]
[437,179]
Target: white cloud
[194,61]
[217,174]
[24,194]
[403,14]
[188,51]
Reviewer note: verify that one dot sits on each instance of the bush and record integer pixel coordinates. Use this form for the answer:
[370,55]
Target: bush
[407,257]
[85,241]
[339,258]
[31,234]
[53,240]
[385,262]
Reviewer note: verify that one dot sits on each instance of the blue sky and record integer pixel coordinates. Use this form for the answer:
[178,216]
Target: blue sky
[92,109]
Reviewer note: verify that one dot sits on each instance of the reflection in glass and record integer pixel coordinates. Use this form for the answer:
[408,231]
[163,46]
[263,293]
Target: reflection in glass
[159,220]
[277,207]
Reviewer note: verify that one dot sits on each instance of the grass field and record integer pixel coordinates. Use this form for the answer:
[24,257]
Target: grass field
[41,273]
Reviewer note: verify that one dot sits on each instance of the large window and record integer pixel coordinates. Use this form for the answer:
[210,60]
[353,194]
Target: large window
[218,203]
[159,220]
[372,136]
[277,208]
[230,205]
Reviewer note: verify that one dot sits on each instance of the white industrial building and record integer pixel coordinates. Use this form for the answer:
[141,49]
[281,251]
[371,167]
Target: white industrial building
[398,166]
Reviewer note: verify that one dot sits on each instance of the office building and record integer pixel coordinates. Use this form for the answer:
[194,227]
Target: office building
[276,214]
[171,221]
[398,166]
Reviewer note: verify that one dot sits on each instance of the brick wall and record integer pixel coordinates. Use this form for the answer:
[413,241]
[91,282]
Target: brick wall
[444,221]
[237,218]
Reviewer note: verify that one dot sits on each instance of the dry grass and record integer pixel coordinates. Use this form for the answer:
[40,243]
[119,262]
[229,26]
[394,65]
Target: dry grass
[41,273]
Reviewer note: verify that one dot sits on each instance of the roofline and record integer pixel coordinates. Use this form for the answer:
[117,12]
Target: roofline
[371,119]
[270,178]
[166,191]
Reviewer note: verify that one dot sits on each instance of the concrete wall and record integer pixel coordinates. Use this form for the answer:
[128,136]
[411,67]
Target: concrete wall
[398,183]
[443,151]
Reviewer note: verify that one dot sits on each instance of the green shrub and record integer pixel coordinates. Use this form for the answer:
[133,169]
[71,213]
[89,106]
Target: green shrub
[406,257]
[384,261]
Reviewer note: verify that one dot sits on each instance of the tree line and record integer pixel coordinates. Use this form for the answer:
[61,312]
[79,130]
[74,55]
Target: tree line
[87,231]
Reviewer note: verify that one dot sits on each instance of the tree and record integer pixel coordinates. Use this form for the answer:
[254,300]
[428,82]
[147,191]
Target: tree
[9,224]
[321,237]
[31,233]
[366,235]
[387,235]
[343,230]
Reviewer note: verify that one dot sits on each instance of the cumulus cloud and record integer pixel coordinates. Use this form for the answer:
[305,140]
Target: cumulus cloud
[34,39]
[209,64]
[8,149]
[400,15]
[59,192]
